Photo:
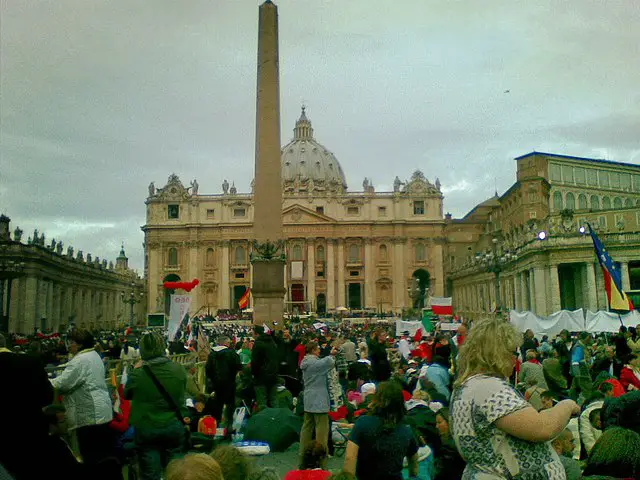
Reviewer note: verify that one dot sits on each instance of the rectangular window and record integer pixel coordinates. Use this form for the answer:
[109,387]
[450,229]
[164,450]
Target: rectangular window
[619,218]
[173,211]
[382,211]
[533,214]
[418,207]
[239,212]
[603,175]
[625,181]
[320,273]
[567,174]
[354,273]
[239,275]
[554,172]
[614,177]
[210,212]
[353,210]
[592,177]
[602,221]
[320,210]
[580,176]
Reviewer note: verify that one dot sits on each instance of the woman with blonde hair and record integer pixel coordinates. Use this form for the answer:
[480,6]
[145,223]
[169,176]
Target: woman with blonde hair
[497,432]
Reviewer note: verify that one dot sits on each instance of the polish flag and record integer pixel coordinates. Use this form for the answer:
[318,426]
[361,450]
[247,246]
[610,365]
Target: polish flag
[441,306]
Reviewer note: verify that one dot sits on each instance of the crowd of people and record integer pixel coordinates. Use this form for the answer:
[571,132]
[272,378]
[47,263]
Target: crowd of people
[482,402]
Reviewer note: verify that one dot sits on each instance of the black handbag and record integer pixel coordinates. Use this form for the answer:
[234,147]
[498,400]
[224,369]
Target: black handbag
[174,406]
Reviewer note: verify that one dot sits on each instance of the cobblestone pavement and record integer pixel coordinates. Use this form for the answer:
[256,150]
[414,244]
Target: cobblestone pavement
[283,462]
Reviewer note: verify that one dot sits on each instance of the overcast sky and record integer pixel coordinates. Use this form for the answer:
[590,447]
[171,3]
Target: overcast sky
[101,97]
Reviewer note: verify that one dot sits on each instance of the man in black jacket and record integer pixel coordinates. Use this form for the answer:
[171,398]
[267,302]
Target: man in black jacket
[25,428]
[264,368]
[222,368]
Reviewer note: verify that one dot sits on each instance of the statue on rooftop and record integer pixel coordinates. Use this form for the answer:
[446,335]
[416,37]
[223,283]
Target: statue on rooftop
[225,187]
[53,244]
[59,248]
[17,234]
[437,183]
[233,189]
[152,189]
[79,256]
[365,184]
[397,184]
[70,251]
[194,187]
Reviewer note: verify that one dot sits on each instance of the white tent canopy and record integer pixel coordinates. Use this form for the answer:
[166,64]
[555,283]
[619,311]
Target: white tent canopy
[574,321]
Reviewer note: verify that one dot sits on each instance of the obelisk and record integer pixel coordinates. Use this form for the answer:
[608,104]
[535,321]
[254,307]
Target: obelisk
[267,256]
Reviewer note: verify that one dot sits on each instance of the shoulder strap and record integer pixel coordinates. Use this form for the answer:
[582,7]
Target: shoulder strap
[168,398]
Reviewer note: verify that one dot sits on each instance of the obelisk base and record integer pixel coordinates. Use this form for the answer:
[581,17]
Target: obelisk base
[268,293]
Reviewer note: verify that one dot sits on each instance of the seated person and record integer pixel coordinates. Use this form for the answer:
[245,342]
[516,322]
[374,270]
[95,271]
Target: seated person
[563,444]
[284,398]
[314,454]
[448,462]
[591,423]
[197,411]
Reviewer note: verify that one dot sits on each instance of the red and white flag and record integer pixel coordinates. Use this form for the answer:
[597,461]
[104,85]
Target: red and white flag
[441,306]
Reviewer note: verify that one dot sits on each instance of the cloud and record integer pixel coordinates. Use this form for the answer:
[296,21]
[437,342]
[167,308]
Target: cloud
[100,98]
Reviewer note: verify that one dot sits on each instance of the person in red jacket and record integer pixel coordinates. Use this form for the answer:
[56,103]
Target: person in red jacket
[630,373]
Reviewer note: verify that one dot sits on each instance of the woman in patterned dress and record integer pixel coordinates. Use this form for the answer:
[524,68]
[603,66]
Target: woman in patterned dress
[497,432]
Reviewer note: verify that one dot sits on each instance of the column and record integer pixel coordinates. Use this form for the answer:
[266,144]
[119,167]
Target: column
[592,292]
[342,299]
[30,304]
[369,275]
[224,295]
[523,291]
[540,291]
[153,278]
[330,274]
[554,283]
[399,281]
[624,271]
[49,313]
[311,274]
[192,272]
[532,291]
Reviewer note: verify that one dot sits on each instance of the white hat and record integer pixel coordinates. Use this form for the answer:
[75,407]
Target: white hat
[368,388]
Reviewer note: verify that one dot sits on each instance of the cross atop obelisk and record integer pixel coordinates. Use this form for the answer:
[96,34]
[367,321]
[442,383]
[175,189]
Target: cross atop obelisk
[268,249]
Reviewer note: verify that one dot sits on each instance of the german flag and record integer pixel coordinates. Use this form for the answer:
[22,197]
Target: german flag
[244,300]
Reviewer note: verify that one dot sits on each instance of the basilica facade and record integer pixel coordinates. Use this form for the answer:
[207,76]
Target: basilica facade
[360,250]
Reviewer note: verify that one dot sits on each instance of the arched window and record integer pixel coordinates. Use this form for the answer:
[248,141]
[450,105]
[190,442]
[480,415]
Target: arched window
[557,201]
[617,202]
[606,203]
[571,201]
[241,256]
[320,253]
[296,253]
[595,202]
[421,254]
[628,203]
[172,257]
[209,258]
[383,253]
[354,253]
[582,201]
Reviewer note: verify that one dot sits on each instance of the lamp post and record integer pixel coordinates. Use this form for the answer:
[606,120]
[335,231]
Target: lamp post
[131,299]
[494,261]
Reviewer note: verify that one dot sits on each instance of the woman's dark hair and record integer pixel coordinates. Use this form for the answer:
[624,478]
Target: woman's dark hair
[152,345]
[633,332]
[440,360]
[313,455]
[616,454]
[388,403]
[83,338]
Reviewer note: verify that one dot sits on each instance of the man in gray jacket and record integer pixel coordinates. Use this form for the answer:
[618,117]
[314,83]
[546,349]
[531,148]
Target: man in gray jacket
[315,371]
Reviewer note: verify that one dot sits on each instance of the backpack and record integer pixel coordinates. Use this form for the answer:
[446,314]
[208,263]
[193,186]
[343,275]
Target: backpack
[207,425]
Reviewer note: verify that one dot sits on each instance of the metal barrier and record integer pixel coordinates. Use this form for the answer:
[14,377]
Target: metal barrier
[114,369]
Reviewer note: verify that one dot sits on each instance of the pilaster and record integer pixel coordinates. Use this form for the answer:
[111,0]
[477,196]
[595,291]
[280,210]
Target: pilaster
[330,273]
[311,273]
[592,293]
[224,294]
[554,285]
[540,291]
[369,275]
[342,298]
[624,272]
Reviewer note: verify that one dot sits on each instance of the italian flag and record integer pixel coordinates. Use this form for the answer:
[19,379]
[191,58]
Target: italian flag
[441,306]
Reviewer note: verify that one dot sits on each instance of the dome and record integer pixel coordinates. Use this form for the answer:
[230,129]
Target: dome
[307,165]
